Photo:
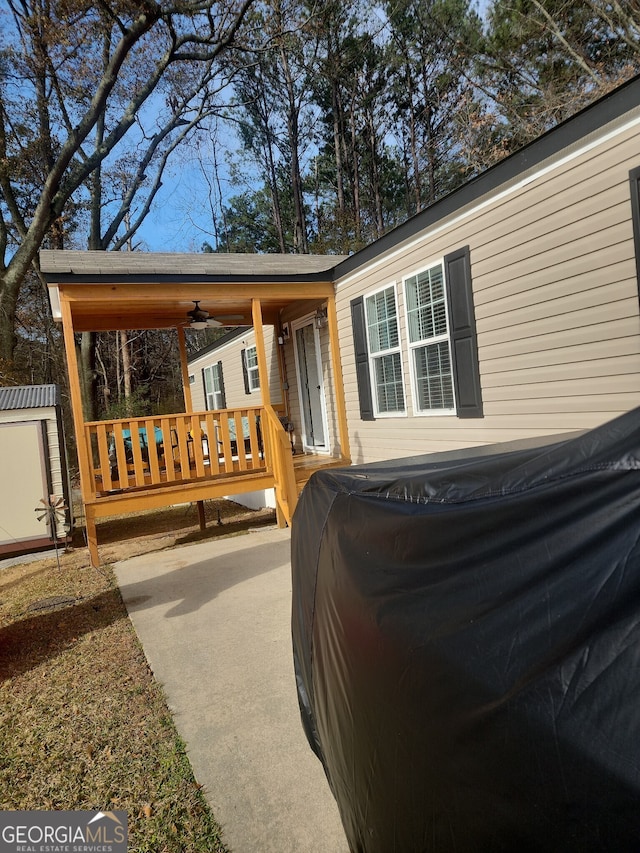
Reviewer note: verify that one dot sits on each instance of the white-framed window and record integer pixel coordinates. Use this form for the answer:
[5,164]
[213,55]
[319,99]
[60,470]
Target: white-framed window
[429,341]
[251,364]
[441,343]
[213,386]
[385,357]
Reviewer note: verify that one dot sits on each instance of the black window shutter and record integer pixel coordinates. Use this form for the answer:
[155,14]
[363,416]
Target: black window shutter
[464,345]
[204,388]
[363,376]
[245,372]
[634,179]
[222,391]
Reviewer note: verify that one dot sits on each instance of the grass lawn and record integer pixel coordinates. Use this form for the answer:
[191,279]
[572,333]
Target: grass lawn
[83,723]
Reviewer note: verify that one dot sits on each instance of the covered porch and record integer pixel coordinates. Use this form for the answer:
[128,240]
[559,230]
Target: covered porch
[131,464]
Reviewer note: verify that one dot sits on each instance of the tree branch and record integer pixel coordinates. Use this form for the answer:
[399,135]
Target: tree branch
[577,57]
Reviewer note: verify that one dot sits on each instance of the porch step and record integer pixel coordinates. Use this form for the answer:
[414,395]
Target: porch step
[302,478]
[305,466]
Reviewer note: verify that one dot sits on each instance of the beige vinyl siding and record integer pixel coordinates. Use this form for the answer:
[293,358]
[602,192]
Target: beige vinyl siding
[293,399]
[606,358]
[231,358]
[275,379]
[327,376]
[198,399]
[556,302]
[230,355]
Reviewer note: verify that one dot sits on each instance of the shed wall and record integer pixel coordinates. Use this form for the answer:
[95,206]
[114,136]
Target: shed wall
[55,458]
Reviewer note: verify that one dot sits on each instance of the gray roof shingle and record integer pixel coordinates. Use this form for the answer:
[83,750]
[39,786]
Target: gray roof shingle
[175,263]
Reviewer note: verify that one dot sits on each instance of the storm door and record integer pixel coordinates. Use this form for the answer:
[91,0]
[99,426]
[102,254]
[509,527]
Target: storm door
[310,388]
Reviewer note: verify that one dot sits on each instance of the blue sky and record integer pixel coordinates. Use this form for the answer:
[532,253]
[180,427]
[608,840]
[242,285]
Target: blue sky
[181,218]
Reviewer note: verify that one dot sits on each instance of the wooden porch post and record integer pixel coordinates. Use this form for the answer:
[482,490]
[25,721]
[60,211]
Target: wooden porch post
[263,373]
[188,402]
[188,406]
[84,451]
[338,381]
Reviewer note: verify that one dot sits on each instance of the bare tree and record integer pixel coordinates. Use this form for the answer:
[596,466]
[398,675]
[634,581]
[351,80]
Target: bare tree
[273,110]
[77,79]
[543,60]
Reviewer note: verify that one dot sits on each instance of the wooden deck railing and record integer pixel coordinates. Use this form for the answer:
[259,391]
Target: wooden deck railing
[279,454]
[131,453]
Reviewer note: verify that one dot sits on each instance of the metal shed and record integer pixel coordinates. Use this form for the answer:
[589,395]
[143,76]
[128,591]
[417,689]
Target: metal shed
[33,470]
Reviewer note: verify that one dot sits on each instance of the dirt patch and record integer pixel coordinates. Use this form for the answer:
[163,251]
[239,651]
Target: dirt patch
[124,536]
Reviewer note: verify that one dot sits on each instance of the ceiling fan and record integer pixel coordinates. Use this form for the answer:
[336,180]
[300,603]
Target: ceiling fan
[200,319]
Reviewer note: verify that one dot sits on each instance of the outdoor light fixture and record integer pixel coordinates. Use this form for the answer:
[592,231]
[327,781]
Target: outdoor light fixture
[321,319]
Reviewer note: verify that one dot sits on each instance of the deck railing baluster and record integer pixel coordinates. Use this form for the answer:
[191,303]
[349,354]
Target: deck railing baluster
[135,453]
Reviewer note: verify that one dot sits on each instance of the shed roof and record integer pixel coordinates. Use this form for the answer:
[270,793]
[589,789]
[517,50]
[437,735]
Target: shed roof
[29,397]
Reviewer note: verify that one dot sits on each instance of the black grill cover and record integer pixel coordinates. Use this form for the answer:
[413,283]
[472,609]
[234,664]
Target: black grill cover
[467,646]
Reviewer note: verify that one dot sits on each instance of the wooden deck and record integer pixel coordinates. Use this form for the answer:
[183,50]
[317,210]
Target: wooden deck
[147,463]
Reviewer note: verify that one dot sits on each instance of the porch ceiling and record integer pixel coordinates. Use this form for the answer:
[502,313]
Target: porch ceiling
[117,290]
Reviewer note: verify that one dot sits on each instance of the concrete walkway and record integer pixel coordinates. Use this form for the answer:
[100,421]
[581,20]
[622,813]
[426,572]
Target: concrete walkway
[214,620]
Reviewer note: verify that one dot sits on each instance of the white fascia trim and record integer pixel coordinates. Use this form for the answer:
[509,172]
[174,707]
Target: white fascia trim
[490,199]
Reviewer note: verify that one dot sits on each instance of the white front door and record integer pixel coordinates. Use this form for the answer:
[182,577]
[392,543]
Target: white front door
[310,387]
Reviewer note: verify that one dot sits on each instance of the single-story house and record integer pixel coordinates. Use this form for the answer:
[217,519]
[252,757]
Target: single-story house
[508,309]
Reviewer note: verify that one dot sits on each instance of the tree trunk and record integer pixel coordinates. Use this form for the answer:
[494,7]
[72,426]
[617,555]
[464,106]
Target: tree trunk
[375,176]
[126,363]
[337,121]
[300,244]
[88,375]
[415,160]
[356,181]
[431,157]
[8,338]
[275,196]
